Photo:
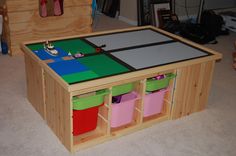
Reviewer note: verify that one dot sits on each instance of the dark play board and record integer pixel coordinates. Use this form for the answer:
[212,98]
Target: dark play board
[123,52]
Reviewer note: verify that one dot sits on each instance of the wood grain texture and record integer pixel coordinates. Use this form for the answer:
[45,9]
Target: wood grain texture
[16,50]
[26,5]
[189,93]
[5,31]
[35,85]
[68,27]
[33,15]
[192,89]
[25,23]
[59,111]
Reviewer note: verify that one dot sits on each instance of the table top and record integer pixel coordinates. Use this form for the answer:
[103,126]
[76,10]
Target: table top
[101,55]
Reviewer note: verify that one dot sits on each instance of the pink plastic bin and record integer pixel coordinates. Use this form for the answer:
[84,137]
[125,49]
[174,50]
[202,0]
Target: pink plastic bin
[153,102]
[122,113]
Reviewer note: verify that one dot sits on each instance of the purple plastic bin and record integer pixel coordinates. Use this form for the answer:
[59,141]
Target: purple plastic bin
[153,102]
[122,113]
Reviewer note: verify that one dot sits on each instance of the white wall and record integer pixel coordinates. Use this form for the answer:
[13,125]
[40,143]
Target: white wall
[128,11]
[183,10]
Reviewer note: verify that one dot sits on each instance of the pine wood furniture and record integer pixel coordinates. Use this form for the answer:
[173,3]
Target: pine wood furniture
[24,23]
[52,97]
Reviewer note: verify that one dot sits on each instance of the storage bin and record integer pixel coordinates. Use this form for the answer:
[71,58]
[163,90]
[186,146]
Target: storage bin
[85,112]
[153,85]
[122,113]
[122,89]
[153,102]
[85,120]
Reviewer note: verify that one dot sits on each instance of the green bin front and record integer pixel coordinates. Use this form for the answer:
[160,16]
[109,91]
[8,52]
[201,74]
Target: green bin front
[90,101]
[122,89]
[153,85]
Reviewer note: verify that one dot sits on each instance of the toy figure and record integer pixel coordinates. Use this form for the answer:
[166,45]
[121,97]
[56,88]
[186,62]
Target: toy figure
[50,49]
[159,77]
[79,55]
[99,49]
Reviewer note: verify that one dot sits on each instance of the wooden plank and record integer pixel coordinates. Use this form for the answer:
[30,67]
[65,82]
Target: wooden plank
[207,74]
[55,28]
[33,15]
[59,110]
[71,3]
[15,44]
[13,5]
[192,89]
[35,85]
[94,138]
[15,50]
[50,25]
[35,36]
[139,88]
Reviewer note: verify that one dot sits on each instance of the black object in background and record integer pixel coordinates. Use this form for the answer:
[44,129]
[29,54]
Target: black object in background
[110,7]
[196,33]
[144,12]
[210,26]
[212,23]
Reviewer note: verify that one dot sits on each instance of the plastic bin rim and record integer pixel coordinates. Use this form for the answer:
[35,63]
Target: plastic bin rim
[83,107]
[134,99]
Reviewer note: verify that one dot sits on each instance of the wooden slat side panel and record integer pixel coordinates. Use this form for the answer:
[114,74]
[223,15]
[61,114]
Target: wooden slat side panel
[192,89]
[15,44]
[13,5]
[51,25]
[207,75]
[18,38]
[21,5]
[33,15]
[54,28]
[193,85]
[58,110]
[71,3]
[180,89]
[35,90]
[185,91]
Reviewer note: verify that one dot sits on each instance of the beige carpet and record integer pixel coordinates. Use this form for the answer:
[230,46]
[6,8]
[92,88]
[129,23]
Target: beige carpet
[211,132]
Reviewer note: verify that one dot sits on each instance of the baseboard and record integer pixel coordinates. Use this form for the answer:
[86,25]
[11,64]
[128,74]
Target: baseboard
[127,20]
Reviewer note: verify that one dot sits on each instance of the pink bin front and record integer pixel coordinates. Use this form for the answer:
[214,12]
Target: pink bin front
[122,113]
[153,102]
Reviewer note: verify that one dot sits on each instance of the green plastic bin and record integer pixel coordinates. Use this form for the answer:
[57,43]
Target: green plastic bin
[153,85]
[90,101]
[122,89]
